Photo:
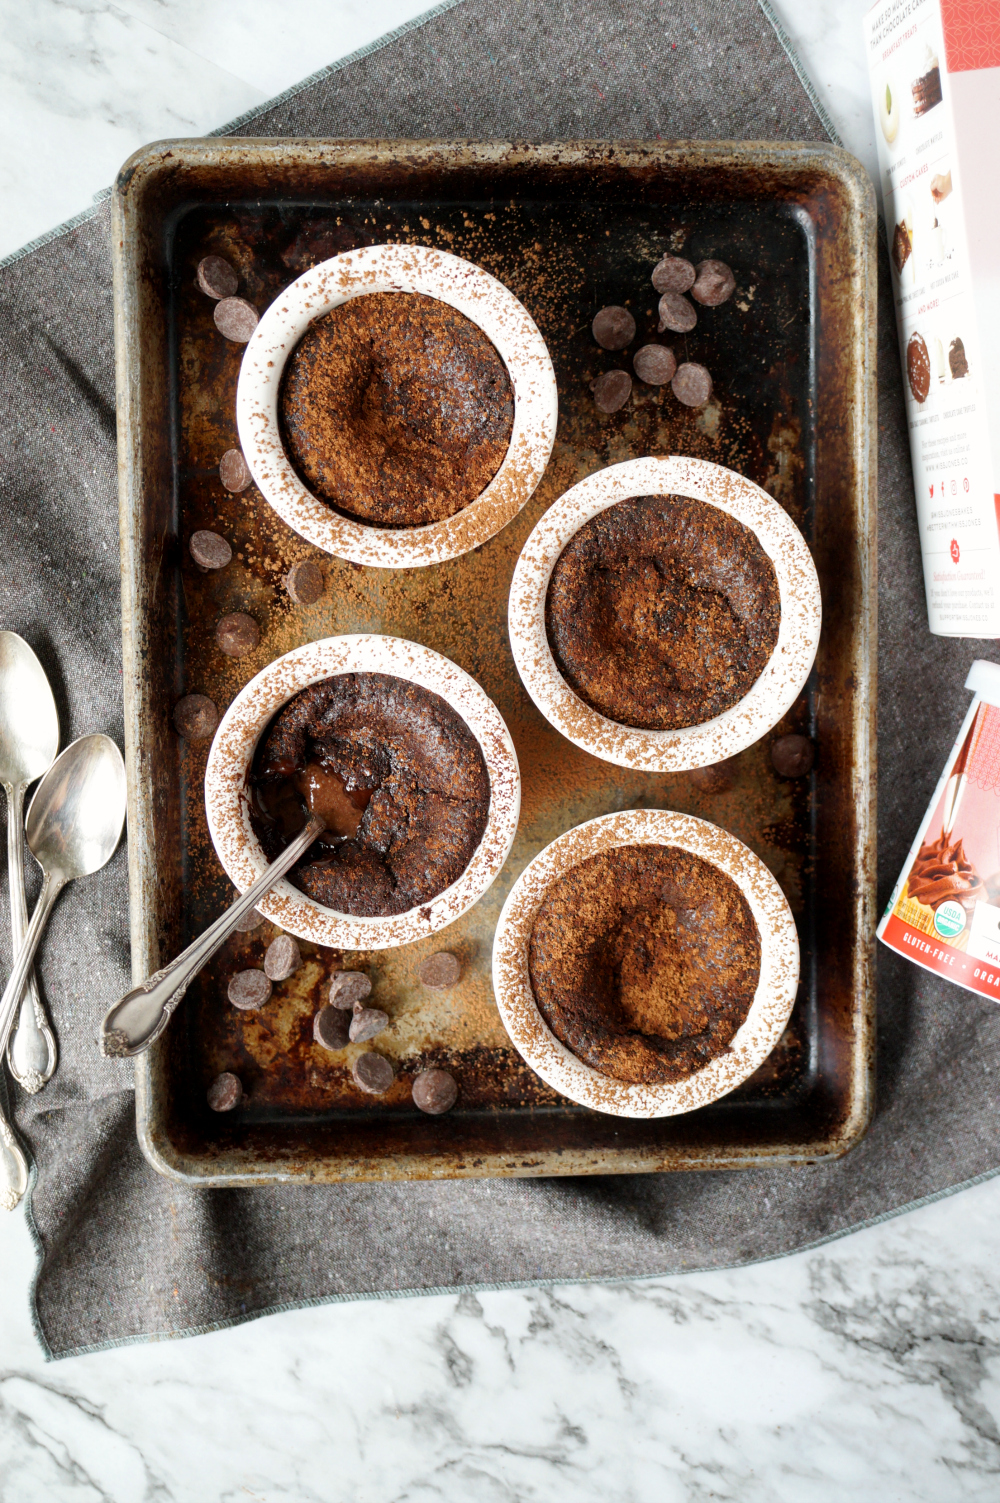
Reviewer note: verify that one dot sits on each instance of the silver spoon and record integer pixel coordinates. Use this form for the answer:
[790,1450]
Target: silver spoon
[73,826]
[29,740]
[143,1013]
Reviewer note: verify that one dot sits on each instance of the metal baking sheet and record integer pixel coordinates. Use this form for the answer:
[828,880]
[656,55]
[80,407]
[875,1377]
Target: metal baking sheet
[568,227]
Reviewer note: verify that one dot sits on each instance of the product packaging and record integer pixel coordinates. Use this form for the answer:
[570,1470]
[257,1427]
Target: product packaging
[935,75]
[944,913]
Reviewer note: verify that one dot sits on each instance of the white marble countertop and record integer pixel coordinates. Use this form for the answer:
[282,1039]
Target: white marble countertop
[868,1368]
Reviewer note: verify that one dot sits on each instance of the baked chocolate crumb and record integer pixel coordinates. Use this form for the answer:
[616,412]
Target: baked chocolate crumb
[644,961]
[662,612]
[399,779]
[396,409]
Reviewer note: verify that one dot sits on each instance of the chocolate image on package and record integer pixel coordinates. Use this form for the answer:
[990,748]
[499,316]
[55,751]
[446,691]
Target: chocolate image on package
[944,914]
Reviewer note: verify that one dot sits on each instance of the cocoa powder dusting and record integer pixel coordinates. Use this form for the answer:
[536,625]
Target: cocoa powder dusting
[396,409]
[644,961]
[662,612]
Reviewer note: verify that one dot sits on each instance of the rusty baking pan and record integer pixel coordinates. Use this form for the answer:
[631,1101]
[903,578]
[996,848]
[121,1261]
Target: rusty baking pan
[568,228]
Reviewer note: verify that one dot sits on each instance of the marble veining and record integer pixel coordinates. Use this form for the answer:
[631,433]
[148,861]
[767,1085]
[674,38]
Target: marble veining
[869,1367]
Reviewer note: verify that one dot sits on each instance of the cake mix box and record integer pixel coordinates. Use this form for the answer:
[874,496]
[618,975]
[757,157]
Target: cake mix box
[944,912]
[935,73]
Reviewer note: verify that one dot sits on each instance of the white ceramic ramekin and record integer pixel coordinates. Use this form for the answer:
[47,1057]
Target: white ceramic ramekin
[786,671]
[484,300]
[236,741]
[773,999]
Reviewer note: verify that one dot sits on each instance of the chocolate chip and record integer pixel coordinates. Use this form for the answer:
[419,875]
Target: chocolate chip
[792,756]
[331,1028]
[440,971]
[195,717]
[373,1073]
[434,1091]
[655,364]
[236,319]
[234,472]
[216,277]
[282,958]
[676,313]
[237,634]
[249,990]
[713,284]
[225,1092]
[611,390]
[367,1023]
[714,779]
[692,384]
[613,328]
[209,551]
[349,987]
[250,921]
[304,582]
[673,274]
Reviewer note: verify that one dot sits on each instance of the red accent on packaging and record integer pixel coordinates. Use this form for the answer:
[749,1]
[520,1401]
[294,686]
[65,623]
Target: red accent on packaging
[971,34]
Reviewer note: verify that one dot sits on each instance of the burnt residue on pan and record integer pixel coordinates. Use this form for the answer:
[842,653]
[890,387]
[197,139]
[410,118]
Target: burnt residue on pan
[774,355]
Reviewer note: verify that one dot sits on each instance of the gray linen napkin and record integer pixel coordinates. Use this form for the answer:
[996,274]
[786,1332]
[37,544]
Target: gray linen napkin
[127,1255]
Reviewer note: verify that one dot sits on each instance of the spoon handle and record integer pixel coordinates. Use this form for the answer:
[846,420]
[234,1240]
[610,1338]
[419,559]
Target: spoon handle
[13,1164]
[143,1013]
[31,1053]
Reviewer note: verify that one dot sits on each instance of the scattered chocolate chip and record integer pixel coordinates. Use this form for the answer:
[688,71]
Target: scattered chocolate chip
[349,987]
[249,989]
[611,390]
[714,779]
[237,634]
[434,1091]
[676,313]
[195,717]
[367,1023]
[236,319]
[282,958]
[304,582]
[713,284]
[225,1092]
[216,277]
[673,274]
[440,971]
[692,384]
[234,472]
[373,1073]
[331,1028]
[655,364]
[250,921]
[613,328]
[792,756]
[209,551]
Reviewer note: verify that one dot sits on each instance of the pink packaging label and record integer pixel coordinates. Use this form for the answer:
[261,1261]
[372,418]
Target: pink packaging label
[945,911]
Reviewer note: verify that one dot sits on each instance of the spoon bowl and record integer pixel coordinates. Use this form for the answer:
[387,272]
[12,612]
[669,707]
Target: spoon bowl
[75,819]
[29,740]
[74,824]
